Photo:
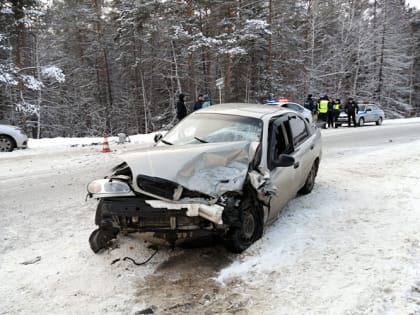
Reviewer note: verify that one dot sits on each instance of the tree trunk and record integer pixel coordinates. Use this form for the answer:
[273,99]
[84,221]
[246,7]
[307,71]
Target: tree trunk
[104,74]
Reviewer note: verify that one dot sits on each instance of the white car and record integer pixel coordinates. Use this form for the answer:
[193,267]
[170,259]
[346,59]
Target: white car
[295,107]
[12,137]
[227,170]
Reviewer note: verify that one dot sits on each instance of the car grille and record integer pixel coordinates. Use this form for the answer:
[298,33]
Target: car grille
[157,186]
[165,188]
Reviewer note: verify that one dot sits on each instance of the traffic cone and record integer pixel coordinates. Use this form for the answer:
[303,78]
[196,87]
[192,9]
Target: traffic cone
[105,147]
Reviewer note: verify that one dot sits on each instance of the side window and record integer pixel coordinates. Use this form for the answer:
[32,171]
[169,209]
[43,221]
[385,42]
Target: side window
[279,140]
[298,129]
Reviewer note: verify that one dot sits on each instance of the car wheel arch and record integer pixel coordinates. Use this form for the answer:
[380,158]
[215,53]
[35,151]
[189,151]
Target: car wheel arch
[11,139]
[251,212]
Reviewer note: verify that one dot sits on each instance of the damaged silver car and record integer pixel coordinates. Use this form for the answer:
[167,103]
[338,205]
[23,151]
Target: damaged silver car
[227,170]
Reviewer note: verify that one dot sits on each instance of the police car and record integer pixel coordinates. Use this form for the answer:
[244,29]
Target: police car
[284,102]
[368,113]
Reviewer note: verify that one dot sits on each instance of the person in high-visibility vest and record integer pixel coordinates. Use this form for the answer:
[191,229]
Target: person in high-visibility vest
[323,110]
[337,110]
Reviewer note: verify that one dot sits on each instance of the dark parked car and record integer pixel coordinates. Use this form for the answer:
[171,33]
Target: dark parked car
[227,170]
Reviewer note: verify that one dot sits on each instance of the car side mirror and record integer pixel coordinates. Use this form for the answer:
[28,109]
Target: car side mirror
[369,110]
[158,136]
[284,160]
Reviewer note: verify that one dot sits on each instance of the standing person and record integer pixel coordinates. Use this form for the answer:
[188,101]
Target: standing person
[323,110]
[181,110]
[206,102]
[199,102]
[337,110]
[330,113]
[351,109]
[310,104]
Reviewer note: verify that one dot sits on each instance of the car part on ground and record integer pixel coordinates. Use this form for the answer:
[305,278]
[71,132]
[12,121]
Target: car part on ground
[227,170]
[12,137]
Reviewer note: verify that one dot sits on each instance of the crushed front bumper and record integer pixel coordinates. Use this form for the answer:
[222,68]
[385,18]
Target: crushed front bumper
[144,215]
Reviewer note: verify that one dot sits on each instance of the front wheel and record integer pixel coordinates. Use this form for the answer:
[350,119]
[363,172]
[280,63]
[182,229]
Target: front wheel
[250,229]
[6,144]
[101,239]
[379,121]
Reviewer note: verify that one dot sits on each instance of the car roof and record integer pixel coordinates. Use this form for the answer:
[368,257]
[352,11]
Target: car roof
[246,109]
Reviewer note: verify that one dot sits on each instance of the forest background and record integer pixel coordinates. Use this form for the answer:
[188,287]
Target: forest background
[88,67]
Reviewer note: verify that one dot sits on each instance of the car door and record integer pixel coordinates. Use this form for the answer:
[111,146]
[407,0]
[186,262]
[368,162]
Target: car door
[287,136]
[369,116]
[303,144]
[375,113]
[283,179]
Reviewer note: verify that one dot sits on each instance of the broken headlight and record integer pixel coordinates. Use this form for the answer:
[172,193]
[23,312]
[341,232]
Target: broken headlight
[105,186]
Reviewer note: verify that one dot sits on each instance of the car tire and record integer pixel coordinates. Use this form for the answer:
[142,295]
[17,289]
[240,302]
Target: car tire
[7,144]
[250,229]
[310,180]
[379,121]
[361,122]
[100,239]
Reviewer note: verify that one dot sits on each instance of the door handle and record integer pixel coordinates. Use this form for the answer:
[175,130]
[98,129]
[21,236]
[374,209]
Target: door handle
[312,146]
[296,165]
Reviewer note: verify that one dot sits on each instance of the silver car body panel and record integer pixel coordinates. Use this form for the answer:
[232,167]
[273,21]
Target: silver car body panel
[16,133]
[209,168]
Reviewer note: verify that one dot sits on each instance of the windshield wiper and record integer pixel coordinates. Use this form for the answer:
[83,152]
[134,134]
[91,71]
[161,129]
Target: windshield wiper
[201,140]
[166,142]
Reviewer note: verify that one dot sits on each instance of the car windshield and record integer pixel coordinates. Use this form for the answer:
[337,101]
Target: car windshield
[362,108]
[204,128]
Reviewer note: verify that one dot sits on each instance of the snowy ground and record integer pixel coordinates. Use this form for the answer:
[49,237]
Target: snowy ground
[350,247]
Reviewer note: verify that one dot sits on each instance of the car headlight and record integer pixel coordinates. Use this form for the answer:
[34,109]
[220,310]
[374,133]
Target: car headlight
[104,186]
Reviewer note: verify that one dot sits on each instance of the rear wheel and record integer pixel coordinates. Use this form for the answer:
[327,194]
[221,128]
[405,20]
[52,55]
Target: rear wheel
[361,122]
[379,121]
[250,229]
[6,144]
[310,180]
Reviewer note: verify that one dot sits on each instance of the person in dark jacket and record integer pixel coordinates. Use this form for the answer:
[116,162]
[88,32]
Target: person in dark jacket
[199,103]
[351,109]
[330,113]
[310,104]
[181,110]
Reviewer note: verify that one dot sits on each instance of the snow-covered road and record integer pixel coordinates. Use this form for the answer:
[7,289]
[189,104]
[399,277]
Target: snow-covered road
[350,247]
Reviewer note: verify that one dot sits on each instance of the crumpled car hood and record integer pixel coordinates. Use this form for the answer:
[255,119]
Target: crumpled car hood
[209,168]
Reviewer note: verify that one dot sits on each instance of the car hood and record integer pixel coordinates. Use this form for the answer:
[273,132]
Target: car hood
[208,168]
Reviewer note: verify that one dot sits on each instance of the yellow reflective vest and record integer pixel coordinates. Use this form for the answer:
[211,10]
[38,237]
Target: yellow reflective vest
[323,106]
[337,106]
